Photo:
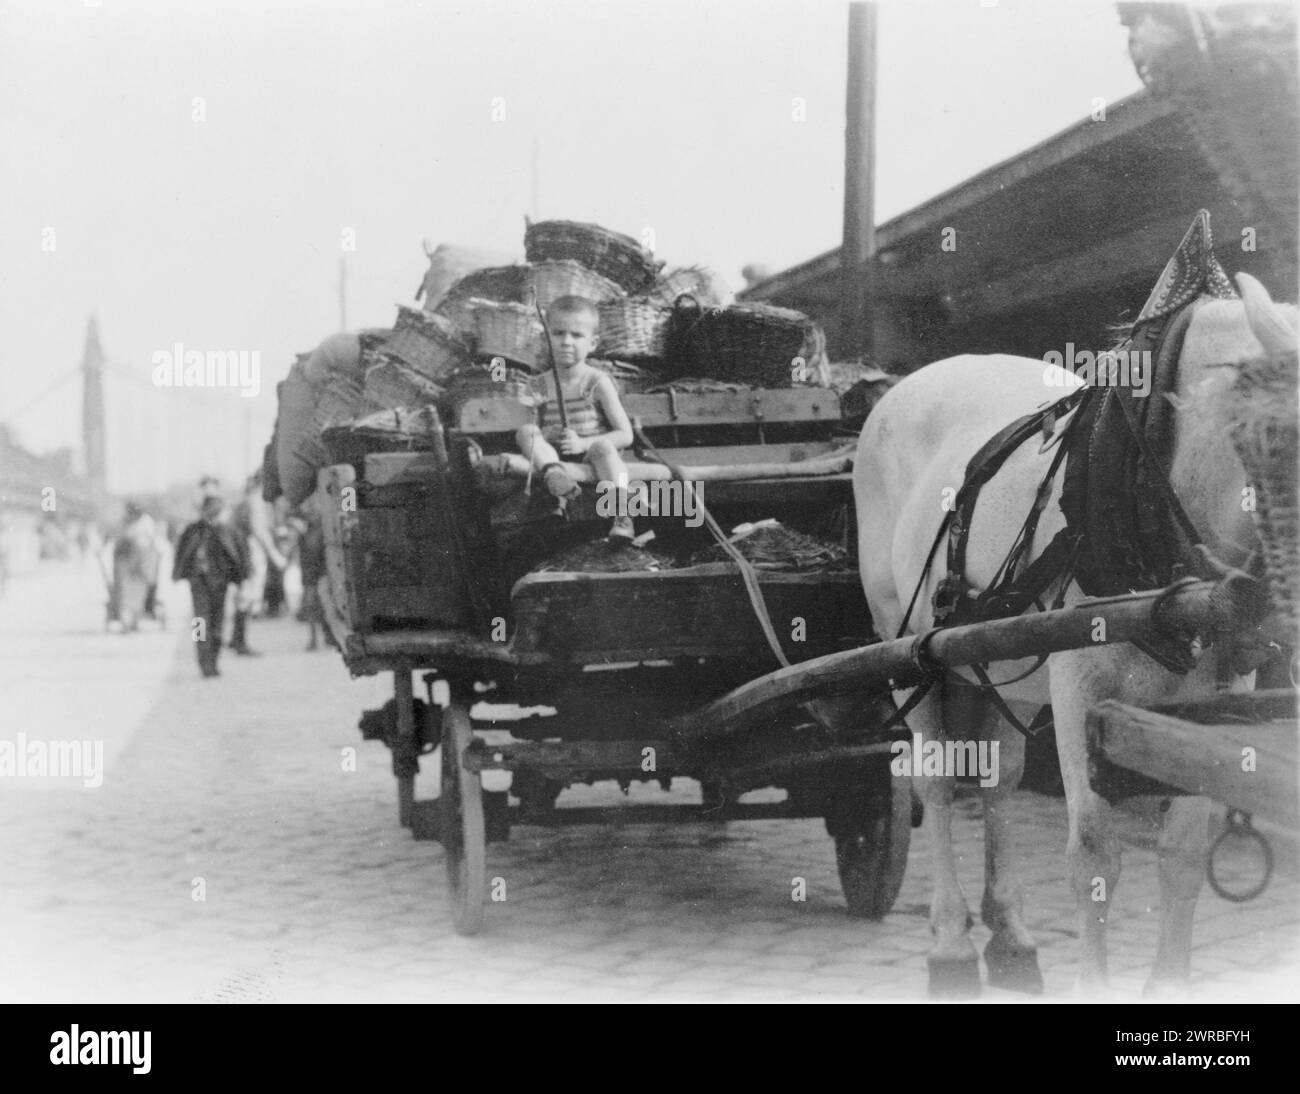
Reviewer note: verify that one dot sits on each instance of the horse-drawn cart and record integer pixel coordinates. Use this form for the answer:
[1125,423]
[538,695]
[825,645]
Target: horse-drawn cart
[737,676]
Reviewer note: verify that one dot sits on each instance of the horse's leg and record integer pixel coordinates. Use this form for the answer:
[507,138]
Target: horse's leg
[1011,955]
[1184,842]
[1092,851]
[953,961]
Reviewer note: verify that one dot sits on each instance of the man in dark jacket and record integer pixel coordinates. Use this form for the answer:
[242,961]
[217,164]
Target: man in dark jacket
[210,556]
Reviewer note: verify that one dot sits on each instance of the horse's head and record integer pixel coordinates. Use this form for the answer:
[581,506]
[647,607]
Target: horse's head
[1235,460]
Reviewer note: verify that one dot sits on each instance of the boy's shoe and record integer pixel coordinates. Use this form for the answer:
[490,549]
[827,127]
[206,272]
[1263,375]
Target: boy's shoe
[621,532]
[559,483]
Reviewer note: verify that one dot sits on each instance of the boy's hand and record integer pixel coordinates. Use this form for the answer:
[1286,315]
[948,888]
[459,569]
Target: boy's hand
[570,444]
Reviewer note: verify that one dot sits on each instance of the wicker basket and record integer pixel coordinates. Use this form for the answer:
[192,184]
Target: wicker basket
[428,343]
[390,383]
[506,284]
[487,382]
[553,279]
[620,258]
[696,281]
[397,430]
[634,329]
[1264,429]
[511,331]
[745,344]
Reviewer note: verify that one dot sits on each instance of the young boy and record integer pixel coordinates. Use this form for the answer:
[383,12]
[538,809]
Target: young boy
[210,556]
[598,424]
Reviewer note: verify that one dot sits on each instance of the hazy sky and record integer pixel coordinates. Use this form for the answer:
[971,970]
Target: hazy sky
[188,170]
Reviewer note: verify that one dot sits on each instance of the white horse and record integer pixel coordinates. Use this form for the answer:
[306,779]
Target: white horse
[912,455]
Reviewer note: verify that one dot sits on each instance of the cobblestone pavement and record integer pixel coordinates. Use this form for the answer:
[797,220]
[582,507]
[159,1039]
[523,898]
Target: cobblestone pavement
[235,790]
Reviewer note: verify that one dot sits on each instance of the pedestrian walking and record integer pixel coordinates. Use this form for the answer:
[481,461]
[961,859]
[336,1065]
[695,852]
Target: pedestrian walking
[254,529]
[210,556]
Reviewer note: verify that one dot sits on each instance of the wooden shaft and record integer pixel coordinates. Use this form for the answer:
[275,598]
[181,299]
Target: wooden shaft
[904,662]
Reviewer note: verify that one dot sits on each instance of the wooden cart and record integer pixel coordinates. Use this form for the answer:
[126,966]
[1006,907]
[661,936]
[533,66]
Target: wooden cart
[424,575]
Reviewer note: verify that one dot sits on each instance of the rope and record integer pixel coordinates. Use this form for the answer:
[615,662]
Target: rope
[747,572]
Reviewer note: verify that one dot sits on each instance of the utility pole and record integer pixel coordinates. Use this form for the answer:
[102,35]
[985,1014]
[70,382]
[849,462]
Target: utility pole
[535,181]
[858,249]
[343,292]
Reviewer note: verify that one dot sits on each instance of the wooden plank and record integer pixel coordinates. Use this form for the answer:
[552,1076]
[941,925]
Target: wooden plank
[734,407]
[337,485]
[1205,760]
[494,414]
[390,468]
[740,455]
[680,409]
[593,618]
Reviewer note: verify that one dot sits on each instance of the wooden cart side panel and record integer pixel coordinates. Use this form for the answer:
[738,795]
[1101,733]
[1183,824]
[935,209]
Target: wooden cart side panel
[679,409]
[338,502]
[704,612]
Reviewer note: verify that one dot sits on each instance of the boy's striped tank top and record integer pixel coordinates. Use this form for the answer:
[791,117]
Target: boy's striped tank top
[585,417]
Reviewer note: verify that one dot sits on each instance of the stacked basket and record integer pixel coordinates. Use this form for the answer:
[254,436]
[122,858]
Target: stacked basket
[428,343]
[554,278]
[503,284]
[745,344]
[509,331]
[618,257]
[634,329]
[390,383]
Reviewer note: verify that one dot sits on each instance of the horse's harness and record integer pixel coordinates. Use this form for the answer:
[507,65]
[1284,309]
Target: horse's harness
[1125,527]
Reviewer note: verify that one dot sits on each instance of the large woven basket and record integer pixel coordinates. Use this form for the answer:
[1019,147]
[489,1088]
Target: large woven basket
[510,331]
[501,283]
[390,383]
[620,258]
[697,281]
[429,343]
[633,329]
[746,344]
[1264,428]
[553,279]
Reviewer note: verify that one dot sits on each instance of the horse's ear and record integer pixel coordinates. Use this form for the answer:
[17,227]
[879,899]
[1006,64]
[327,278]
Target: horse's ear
[429,248]
[1273,332]
[1192,271]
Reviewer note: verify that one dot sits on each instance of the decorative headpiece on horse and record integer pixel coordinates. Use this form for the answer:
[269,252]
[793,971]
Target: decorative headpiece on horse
[1192,271]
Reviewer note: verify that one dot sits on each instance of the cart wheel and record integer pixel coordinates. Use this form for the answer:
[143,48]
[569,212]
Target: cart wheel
[871,862]
[462,829]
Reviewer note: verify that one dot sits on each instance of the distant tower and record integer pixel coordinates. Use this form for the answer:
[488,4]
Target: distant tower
[92,410]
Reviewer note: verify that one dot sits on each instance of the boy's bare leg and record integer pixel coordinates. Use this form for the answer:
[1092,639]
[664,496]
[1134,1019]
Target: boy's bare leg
[542,455]
[536,447]
[609,467]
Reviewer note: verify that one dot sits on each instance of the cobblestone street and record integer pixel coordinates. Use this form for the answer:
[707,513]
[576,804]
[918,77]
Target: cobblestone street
[234,790]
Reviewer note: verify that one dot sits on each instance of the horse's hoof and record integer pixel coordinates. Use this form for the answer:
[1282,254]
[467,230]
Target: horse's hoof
[1013,969]
[954,978]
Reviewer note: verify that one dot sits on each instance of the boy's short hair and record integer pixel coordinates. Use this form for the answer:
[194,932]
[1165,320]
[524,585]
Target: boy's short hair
[573,305]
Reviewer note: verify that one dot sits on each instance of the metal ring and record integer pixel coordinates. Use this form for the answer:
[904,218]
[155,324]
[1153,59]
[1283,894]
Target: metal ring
[1238,823]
